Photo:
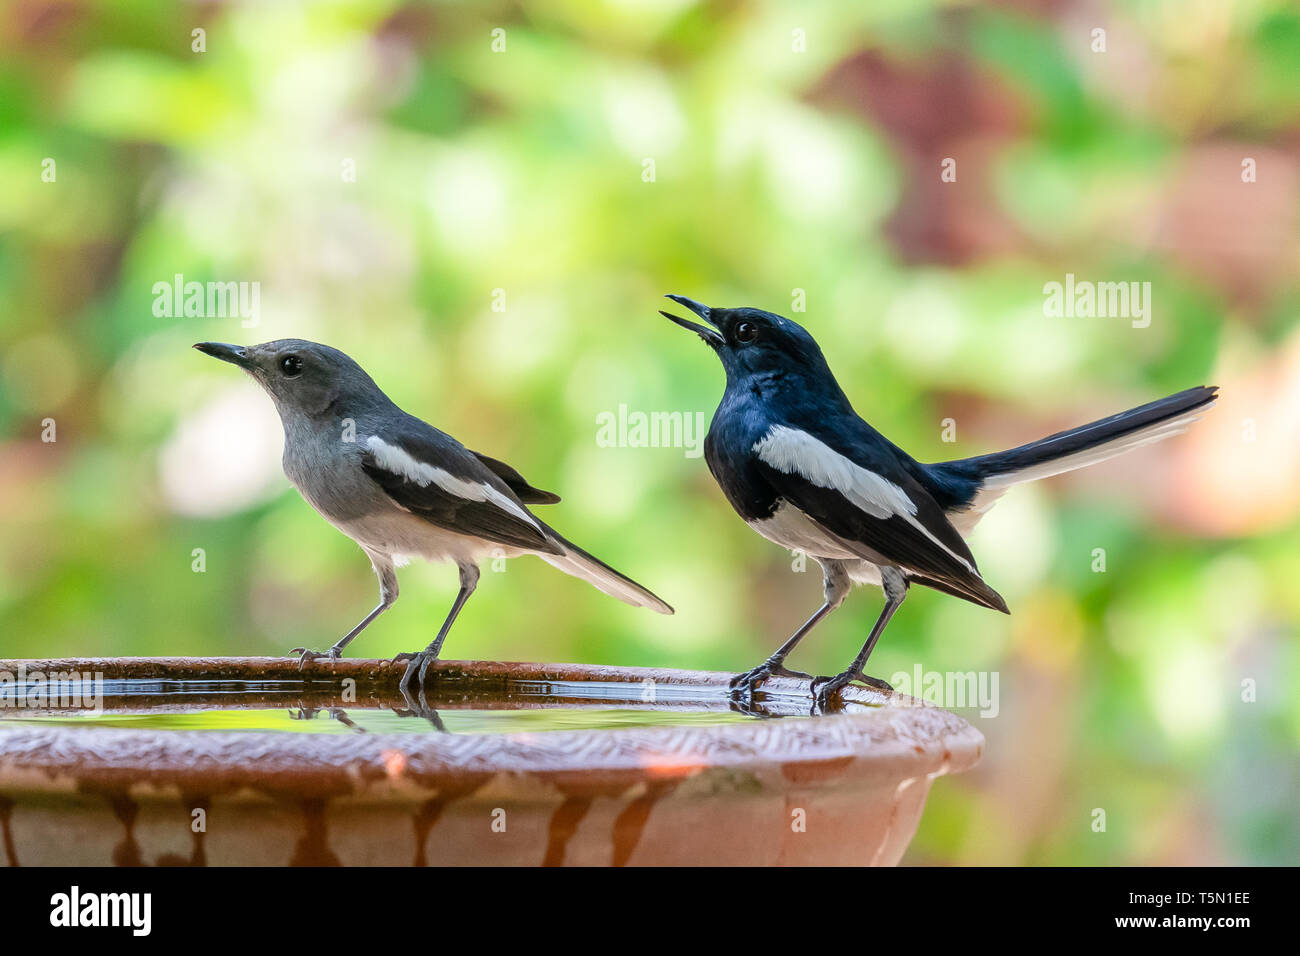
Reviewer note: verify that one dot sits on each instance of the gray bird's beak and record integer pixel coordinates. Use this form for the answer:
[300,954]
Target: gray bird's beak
[234,354]
[703,311]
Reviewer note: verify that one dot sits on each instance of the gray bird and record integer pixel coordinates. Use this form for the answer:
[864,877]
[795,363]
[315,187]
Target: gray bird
[401,488]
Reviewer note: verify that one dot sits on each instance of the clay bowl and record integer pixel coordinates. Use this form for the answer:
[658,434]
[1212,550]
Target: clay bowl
[658,767]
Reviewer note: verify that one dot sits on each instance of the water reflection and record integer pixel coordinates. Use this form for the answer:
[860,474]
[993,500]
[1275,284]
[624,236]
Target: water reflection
[334,706]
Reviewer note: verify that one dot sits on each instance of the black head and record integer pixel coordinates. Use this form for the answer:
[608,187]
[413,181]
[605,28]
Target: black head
[751,341]
[301,377]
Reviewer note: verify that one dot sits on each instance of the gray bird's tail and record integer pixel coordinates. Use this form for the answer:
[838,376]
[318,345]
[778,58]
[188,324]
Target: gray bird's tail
[1065,451]
[600,575]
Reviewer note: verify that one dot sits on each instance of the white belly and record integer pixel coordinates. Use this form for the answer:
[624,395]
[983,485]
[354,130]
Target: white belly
[791,528]
[864,572]
[403,536]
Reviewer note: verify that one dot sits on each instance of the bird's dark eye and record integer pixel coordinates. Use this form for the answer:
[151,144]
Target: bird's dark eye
[746,332]
[291,365]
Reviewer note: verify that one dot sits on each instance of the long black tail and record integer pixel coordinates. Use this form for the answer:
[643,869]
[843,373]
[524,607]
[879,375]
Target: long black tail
[990,475]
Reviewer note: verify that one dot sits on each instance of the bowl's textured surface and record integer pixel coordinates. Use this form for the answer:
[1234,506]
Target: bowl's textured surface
[831,789]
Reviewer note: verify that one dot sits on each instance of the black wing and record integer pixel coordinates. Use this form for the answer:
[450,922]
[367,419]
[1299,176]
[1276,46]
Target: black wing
[922,543]
[517,482]
[447,485]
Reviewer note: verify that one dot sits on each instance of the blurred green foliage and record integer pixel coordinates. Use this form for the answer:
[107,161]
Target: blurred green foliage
[794,147]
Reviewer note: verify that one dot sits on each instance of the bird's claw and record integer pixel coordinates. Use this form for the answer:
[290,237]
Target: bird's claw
[306,654]
[875,683]
[824,688]
[417,664]
[743,685]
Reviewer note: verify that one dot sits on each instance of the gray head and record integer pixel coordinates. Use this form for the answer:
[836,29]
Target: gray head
[302,378]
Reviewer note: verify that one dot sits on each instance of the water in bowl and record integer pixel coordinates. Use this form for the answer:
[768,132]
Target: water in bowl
[325,707]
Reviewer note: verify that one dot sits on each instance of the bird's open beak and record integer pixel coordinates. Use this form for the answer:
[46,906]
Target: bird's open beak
[709,335]
[234,354]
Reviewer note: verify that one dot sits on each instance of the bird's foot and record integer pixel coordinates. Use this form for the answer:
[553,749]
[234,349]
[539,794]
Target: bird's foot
[743,685]
[824,688]
[417,665]
[306,654]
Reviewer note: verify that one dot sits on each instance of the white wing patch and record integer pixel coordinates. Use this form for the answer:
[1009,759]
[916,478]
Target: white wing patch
[795,452]
[400,462]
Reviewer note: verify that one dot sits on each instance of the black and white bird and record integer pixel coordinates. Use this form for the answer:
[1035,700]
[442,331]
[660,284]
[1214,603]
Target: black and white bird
[401,488]
[798,464]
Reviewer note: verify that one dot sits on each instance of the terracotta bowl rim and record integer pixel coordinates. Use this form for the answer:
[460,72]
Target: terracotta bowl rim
[899,735]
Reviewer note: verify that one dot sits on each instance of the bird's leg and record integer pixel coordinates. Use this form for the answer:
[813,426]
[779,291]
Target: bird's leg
[387,575]
[895,585]
[742,685]
[418,664]
[307,654]
[835,584]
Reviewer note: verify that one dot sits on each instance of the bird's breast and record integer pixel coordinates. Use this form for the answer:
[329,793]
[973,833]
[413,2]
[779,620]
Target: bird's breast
[745,490]
[327,472]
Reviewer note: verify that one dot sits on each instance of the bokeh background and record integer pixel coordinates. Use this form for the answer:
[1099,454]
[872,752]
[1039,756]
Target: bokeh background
[794,147]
